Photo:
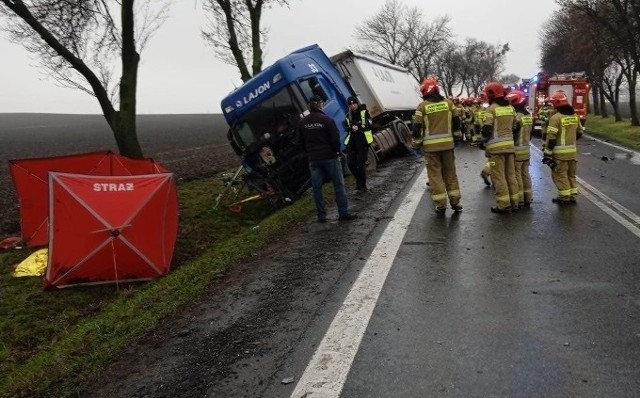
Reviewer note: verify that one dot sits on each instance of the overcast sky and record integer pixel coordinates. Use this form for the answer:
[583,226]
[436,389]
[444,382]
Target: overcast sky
[178,73]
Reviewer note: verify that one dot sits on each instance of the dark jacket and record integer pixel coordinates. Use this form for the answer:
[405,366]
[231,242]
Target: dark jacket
[319,136]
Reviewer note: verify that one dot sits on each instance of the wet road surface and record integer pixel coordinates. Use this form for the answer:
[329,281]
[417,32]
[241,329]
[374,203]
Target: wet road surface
[543,302]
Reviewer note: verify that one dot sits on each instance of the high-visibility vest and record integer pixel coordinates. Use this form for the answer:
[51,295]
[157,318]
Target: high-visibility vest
[368,135]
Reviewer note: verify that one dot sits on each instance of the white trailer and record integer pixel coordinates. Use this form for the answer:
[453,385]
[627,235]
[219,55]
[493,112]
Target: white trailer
[391,94]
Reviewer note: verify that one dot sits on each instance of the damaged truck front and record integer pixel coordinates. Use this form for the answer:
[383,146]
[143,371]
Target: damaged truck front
[263,114]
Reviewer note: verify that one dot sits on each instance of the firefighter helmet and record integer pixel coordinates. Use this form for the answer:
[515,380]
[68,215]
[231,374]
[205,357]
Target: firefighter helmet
[494,90]
[516,97]
[429,86]
[559,98]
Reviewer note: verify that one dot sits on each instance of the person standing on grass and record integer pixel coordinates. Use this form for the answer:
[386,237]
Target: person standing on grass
[321,142]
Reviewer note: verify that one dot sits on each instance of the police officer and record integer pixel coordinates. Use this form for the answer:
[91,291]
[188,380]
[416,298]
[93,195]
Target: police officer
[432,125]
[321,141]
[359,136]
[497,134]
[560,151]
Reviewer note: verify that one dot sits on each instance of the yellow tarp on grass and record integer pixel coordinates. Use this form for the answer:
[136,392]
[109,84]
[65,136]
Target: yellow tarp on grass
[34,265]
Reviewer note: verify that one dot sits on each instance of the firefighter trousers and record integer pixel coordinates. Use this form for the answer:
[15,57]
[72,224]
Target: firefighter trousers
[476,137]
[503,178]
[525,190]
[443,179]
[564,177]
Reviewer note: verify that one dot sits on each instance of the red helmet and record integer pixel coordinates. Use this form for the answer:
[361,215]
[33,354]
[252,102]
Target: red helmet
[494,90]
[429,86]
[516,97]
[559,98]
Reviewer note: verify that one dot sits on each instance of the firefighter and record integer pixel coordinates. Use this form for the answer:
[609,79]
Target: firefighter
[457,121]
[544,114]
[359,136]
[560,152]
[522,140]
[479,113]
[468,119]
[497,134]
[432,125]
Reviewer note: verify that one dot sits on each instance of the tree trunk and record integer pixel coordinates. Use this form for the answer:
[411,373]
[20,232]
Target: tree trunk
[603,105]
[616,111]
[632,102]
[124,123]
[596,99]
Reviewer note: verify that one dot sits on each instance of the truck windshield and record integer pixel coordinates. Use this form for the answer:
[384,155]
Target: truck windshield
[269,119]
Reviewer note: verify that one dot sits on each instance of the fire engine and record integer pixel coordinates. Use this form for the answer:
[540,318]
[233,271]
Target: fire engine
[574,84]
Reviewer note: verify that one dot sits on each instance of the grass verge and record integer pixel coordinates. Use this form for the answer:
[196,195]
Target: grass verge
[608,129]
[51,342]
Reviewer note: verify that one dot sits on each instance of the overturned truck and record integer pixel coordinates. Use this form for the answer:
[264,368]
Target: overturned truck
[263,114]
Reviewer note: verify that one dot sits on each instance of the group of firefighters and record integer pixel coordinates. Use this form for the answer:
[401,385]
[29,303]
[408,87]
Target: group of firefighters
[499,123]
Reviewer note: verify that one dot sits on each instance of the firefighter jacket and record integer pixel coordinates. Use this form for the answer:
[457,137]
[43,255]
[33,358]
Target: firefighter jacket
[479,114]
[468,116]
[522,136]
[501,120]
[364,125]
[435,120]
[545,113]
[562,132]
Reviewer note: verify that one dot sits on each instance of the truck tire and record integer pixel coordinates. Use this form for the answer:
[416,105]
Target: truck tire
[404,137]
[372,161]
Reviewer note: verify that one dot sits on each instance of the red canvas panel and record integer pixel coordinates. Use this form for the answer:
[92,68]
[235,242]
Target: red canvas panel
[107,229]
[31,183]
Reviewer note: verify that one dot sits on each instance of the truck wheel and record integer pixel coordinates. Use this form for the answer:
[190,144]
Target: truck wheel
[372,161]
[404,137]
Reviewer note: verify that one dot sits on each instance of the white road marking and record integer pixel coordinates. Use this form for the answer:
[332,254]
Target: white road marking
[602,204]
[327,371]
[626,150]
[614,209]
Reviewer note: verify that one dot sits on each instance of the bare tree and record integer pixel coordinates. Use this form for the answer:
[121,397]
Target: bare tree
[401,36]
[431,40]
[386,35]
[234,31]
[77,42]
[510,79]
[621,19]
[570,43]
[485,63]
[611,84]
[449,66]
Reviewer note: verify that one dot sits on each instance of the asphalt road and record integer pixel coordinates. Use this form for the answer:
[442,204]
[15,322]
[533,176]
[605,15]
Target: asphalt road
[405,303]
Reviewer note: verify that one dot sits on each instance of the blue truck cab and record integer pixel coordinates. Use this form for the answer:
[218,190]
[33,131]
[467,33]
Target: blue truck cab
[264,112]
